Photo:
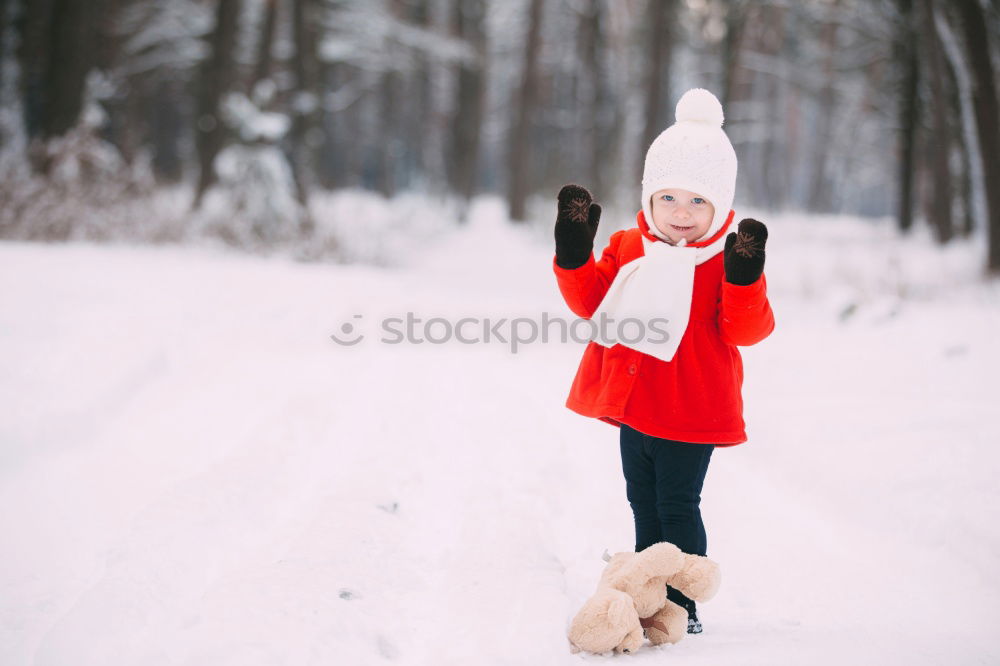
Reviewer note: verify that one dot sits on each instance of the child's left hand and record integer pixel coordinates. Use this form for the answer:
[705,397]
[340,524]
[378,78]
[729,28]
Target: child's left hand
[743,256]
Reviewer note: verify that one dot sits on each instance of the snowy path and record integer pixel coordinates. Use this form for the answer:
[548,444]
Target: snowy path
[192,473]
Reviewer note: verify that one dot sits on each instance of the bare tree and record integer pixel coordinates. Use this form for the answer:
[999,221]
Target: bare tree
[735,12]
[595,97]
[658,41]
[987,111]
[820,190]
[157,49]
[265,46]
[773,185]
[938,141]
[57,52]
[72,29]
[389,144]
[970,196]
[519,159]
[217,76]
[304,105]
[417,133]
[908,105]
[467,22]
[6,13]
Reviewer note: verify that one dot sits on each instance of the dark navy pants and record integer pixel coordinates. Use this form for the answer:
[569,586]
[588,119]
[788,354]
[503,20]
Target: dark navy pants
[663,481]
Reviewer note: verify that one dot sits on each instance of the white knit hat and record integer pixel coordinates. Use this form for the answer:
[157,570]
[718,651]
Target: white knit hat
[693,154]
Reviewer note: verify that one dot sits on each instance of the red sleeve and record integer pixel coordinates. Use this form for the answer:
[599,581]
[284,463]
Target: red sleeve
[584,288]
[745,316]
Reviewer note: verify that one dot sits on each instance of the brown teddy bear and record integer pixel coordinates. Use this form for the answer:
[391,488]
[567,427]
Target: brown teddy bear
[631,597]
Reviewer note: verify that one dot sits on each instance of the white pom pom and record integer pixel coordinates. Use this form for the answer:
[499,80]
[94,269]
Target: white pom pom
[699,106]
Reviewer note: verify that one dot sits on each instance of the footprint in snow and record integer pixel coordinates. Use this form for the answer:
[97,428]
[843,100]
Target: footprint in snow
[386,648]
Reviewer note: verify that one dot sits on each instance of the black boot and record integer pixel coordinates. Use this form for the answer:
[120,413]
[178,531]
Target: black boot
[694,624]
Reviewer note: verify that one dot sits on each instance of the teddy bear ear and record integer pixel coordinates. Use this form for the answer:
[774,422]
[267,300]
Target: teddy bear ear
[617,562]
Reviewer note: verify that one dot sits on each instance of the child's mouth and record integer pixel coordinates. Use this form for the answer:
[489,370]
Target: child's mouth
[681,229]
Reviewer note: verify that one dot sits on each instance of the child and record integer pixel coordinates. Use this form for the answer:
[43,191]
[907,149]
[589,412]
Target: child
[674,397]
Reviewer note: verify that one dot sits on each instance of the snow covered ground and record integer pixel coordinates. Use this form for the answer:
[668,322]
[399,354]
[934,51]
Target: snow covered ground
[192,472]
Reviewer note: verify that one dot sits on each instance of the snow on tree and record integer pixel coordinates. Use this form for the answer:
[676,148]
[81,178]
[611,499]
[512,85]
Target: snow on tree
[256,206]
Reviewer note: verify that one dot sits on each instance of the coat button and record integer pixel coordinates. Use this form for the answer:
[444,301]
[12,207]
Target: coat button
[631,369]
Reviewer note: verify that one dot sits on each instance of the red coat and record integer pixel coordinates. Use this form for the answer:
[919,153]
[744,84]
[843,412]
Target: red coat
[696,396]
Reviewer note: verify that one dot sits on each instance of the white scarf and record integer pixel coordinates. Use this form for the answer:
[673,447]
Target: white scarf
[655,291]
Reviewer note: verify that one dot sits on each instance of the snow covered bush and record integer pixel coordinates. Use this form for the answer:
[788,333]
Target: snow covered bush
[254,204]
[365,227]
[78,186]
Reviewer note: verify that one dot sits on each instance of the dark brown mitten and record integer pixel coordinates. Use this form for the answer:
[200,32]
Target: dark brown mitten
[743,256]
[576,226]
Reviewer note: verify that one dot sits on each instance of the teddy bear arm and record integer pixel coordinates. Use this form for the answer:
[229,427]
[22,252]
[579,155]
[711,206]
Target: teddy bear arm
[698,579]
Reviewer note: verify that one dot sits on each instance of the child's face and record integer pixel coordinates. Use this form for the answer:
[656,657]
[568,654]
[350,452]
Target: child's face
[681,214]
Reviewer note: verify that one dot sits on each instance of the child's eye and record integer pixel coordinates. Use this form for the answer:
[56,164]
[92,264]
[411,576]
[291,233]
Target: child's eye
[667,197]
[698,200]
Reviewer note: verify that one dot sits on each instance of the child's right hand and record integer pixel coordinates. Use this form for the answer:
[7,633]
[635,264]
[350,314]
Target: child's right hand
[576,226]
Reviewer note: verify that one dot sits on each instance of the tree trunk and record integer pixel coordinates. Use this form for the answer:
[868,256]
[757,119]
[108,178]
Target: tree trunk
[388,149]
[661,15]
[304,105]
[463,162]
[264,47]
[964,186]
[71,49]
[33,53]
[419,126]
[10,10]
[126,126]
[216,78]
[342,154]
[731,44]
[166,128]
[939,138]
[820,198]
[388,143]
[971,196]
[519,159]
[594,102]
[56,53]
[774,183]
[987,112]
[6,7]
[906,56]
